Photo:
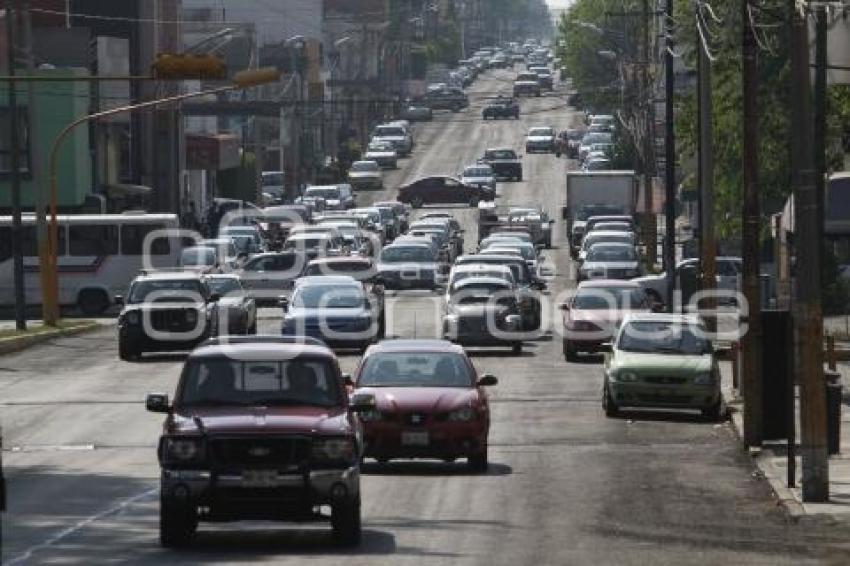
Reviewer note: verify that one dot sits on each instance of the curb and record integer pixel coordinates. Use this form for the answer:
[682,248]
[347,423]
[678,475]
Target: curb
[15,344]
[784,495]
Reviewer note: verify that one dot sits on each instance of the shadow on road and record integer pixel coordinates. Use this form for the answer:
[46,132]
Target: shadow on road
[660,415]
[425,469]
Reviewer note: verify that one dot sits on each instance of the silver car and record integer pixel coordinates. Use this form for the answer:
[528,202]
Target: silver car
[365,175]
[481,175]
[608,260]
[483,311]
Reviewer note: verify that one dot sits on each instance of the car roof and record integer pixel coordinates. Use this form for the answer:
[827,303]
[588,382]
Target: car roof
[339,259]
[614,245]
[478,258]
[267,348]
[166,275]
[326,280]
[597,283]
[415,345]
[482,266]
[496,281]
[410,241]
[499,149]
[663,317]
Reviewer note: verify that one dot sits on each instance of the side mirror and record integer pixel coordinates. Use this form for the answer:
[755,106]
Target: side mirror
[157,403]
[215,297]
[564,306]
[119,300]
[363,403]
[346,378]
[487,380]
[283,303]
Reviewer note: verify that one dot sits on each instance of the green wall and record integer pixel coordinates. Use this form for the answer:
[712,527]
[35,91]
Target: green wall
[57,104]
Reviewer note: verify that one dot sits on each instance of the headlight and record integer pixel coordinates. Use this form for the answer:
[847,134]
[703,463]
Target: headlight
[626,377]
[183,449]
[191,317]
[133,317]
[334,449]
[462,415]
[704,379]
[371,416]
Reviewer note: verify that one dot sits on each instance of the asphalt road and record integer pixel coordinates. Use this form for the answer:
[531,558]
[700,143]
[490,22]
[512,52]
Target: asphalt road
[565,484]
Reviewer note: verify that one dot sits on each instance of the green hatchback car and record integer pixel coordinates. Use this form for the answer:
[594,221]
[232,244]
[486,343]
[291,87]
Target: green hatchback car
[662,361]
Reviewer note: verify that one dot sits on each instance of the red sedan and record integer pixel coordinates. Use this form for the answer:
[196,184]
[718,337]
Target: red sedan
[428,402]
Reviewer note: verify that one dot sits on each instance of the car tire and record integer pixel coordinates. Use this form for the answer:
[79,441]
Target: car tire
[93,302]
[479,462]
[516,349]
[177,524]
[126,352]
[416,202]
[346,522]
[714,413]
[570,354]
[611,408]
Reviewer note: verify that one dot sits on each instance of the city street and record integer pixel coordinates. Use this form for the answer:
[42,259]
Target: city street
[566,485]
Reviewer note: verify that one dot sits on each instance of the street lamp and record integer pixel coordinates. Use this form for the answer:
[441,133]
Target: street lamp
[48,249]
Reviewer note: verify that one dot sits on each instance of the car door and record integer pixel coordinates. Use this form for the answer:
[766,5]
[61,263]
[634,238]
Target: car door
[453,191]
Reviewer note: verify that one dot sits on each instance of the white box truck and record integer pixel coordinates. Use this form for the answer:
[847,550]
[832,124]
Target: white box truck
[597,193]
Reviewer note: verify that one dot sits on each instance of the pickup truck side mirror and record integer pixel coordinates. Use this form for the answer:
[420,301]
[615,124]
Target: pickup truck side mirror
[119,300]
[157,403]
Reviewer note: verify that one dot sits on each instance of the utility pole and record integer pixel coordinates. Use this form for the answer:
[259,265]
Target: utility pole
[669,157]
[808,317]
[751,343]
[15,170]
[650,227]
[708,248]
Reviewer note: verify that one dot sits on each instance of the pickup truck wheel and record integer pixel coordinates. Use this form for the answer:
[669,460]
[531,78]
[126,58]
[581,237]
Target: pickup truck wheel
[715,412]
[516,349]
[177,524]
[345,522]
[479,462]
[611,409]
[416,202]
[570,353]
[93,302]
[126,352]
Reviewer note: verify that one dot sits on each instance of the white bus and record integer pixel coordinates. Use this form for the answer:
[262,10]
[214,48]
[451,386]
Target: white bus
[99,254]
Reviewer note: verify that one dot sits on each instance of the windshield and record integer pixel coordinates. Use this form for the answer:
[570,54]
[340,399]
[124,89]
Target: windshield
[478,172]
[416,369]
[541,132]
[662,338]
[328,296]
[587,211]
[459,276]
[304,243]
[500,154]
[389,132]
[612,227]
[272,179]
[380,147]
[364,166]
[604,298]
[613,238]
[402,254]
[225,382]
[164,291]
[224,285]
[325,193]
[197,256]
[483,288]
[611,253]
[596,137]
[527,252]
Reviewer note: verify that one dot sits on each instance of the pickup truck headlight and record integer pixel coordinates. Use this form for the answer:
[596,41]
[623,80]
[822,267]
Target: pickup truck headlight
[183,450]
[625,377]
[462,415]
[704,379]
[336,449]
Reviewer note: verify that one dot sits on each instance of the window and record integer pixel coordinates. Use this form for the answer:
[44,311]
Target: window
[133,240]
[93,240]
[23,141]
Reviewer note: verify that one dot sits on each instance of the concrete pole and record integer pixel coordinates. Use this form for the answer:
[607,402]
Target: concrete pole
[708,248]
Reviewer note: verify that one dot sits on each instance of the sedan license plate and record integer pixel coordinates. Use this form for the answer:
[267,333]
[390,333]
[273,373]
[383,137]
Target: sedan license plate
[414,438]
[259,478]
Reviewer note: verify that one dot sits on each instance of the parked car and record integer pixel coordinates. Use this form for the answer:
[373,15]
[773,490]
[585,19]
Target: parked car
[395,134]
[501,108]
[237,310]
[662,361]
[427,400]
[610,261]
[591,316]
[483,311]
[443,190]
[335,309]
[164,312]
[727,269]
[540,139]
[383,153]
[364,175]
[568,143]
[505,162]
[260,428]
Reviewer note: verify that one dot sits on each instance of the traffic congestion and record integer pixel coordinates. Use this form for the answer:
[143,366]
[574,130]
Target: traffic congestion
[450,353]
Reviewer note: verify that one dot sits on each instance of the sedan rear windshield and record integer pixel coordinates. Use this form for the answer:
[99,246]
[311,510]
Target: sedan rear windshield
[325,193]
[500,154]
[604,298]
[478,172]
[416,369]
[662,338]
[225,382]
[329,297]
[611,253]
[389,132]
[403,254]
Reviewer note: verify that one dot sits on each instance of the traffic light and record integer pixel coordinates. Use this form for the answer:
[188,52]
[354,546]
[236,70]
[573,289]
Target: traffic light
[184,66]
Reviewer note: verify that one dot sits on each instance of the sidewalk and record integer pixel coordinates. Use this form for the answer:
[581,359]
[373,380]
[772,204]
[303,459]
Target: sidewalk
[771,461]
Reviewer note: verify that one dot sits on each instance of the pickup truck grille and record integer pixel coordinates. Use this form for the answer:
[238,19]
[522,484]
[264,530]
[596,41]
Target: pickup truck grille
[259,452]
[172,320]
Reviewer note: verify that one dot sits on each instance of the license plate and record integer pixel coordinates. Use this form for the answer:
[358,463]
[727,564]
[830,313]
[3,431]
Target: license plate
[259,478]
[414,438]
